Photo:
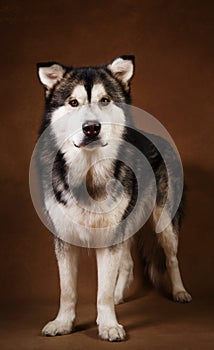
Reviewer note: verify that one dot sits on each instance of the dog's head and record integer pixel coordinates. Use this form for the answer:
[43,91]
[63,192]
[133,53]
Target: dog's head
[87,101]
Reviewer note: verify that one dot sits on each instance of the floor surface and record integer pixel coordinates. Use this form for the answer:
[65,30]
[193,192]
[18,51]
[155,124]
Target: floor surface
[151,321]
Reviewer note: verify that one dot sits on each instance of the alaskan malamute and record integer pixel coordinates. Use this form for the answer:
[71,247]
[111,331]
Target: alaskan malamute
[90,162]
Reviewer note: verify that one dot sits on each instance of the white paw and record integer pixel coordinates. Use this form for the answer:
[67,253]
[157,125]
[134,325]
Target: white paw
[182,297]
[57,327]
[112,333]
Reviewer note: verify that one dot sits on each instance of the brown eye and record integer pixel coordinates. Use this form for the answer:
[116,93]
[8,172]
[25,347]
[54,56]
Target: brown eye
[74,103]
[105,101]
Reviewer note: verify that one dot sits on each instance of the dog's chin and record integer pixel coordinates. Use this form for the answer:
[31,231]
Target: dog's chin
[91,145]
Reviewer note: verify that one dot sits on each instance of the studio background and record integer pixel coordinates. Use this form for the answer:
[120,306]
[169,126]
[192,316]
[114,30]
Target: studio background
[173,45]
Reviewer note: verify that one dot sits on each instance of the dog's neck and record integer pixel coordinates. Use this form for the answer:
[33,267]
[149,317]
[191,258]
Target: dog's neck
[91,179]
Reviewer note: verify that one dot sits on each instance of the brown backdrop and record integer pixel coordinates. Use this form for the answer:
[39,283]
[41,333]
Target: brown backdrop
[173,45]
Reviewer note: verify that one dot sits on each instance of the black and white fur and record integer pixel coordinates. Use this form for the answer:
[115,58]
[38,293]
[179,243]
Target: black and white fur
[94,94]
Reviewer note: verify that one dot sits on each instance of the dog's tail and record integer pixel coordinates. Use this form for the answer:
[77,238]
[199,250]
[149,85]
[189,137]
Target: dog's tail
[153,258]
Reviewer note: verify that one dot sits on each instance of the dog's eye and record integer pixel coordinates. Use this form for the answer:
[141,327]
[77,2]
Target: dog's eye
[74,103]
[105,101]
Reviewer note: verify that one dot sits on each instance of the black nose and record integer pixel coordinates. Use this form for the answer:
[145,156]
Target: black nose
[91,128]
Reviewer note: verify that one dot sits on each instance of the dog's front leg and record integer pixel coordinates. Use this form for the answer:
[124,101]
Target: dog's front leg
[67,258]
[108,262]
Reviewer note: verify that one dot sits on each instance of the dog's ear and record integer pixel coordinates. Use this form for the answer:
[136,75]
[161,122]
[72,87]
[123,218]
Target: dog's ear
[123,68]
[50,73]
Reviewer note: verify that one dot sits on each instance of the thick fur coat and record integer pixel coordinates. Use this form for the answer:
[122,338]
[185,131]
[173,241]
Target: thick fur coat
[91,169]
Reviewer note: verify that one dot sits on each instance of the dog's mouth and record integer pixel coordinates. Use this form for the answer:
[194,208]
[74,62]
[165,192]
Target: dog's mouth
[90,143]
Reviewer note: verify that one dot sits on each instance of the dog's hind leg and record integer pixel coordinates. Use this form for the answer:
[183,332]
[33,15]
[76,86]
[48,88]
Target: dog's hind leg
[168,240]
[125,275]
[108,263]
[67,256]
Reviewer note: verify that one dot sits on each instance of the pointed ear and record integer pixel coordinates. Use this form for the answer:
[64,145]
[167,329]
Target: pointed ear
[50,73]
[123,68]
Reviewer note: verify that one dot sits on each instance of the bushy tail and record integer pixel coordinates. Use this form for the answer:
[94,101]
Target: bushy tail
[153,257]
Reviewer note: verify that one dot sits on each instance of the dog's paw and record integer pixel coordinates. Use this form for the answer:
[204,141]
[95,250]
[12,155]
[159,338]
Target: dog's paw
[57,327]
[113,333]
[182,297]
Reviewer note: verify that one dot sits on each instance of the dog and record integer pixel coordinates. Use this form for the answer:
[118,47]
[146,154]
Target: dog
[90,165]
